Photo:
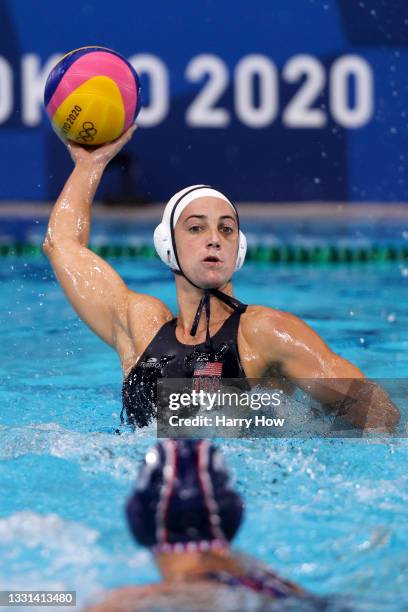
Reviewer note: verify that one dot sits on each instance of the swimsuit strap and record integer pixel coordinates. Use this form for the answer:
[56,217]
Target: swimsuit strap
[269,584]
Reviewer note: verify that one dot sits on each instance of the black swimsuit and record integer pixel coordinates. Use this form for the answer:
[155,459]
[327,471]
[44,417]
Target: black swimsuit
[166,357]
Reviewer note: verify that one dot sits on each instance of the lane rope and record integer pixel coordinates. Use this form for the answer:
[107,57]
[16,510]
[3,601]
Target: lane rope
[260,253]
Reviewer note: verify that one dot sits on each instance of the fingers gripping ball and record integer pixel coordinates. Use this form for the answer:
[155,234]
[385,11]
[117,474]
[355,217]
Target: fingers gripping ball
[92,96]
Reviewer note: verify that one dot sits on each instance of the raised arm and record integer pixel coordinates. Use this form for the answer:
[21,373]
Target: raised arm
[329,378]
[95,290]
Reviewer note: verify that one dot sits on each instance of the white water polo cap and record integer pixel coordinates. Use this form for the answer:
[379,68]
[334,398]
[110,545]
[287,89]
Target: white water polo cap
[163,237]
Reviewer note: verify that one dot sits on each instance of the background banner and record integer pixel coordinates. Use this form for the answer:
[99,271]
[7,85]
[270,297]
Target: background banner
[310,103]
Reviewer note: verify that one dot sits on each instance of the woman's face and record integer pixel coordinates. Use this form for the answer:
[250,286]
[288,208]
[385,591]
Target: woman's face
[207,239]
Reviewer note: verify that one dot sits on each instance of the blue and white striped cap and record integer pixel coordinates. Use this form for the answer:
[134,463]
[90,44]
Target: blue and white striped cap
[184,499]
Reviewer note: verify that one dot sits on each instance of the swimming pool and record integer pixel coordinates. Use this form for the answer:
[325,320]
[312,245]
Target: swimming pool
[330,514]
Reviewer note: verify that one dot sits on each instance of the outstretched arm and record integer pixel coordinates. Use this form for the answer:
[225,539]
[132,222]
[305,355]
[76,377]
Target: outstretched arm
[326,376]
[95,290]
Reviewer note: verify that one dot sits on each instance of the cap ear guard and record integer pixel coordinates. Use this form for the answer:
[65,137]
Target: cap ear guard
[242,249]
[163,245]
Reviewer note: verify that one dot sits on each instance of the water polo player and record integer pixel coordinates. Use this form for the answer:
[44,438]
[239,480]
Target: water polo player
[185,510]
[214,334]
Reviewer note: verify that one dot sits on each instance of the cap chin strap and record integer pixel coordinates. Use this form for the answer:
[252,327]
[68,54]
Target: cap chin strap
[205,301]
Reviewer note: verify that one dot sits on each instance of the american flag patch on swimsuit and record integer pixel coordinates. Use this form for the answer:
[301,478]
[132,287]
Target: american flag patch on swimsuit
[207,376]
[209,368]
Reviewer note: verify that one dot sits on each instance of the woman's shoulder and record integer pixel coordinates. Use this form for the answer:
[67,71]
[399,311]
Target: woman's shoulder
[260,319]
[180,596]
[124,599]
[142,304]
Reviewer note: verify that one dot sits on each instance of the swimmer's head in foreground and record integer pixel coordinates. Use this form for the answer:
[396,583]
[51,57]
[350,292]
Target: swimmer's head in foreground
[199,238]
[184,500]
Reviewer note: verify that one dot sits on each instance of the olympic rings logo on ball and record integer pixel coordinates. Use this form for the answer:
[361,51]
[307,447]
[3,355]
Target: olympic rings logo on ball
[88,133]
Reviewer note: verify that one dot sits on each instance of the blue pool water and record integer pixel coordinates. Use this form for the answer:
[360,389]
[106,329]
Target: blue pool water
[328,513]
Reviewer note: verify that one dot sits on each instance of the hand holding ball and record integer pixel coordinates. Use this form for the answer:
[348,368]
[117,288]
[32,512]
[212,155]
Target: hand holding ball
[92,96]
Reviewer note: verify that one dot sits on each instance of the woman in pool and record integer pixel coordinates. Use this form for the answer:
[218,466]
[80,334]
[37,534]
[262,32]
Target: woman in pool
[186,512]
[214,334]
